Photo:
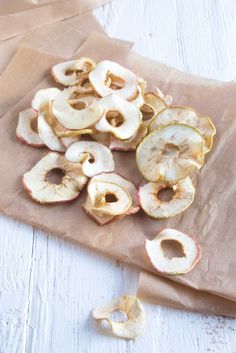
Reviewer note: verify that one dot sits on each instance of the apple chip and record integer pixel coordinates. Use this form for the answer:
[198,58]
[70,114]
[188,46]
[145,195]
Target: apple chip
[138,101]
[170,153]
[95,157]
[154,207]
[25,131]
[125,184]
[69,73]
[153,104]
[37,180]
[188,116]
[108,198]
[175,265]
[129,144]
[43,98]
[78,113]
[120,117]
[109,77]
[136,317]
[48,136]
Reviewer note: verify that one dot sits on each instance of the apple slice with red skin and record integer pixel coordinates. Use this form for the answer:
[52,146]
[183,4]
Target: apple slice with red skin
[24,130]
[126,184]
[40,189]
[175,265]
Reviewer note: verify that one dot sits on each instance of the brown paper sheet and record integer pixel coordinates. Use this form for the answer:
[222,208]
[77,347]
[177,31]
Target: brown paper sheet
[124,239]
[163,291]
[60,38]
[8,7]
[14,24]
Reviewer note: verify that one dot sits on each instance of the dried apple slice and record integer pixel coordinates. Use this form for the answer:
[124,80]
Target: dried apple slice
[108,198]
[152,105]
[84,115]
[43,97]
[108,74]
[48,136]
[136,317]
[24,130]
[129,144]
[154,207]
[185,115]
[125,184]
[138,101]
[128,117]
[170,153]
[176,265]
[40,189]
[69,73]
[95,157]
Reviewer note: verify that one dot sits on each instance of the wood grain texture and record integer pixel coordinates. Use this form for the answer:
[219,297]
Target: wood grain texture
[48,287]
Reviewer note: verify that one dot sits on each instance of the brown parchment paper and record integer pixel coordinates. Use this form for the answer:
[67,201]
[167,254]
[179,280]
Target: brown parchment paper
[163,291]
[124,239]
[61,38]
[24,20]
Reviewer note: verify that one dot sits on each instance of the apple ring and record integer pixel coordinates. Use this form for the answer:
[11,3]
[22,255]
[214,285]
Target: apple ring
[24,131]
[69,73]
[41,190]
[170,153]
[109,77]
[154,207]
[99,191]
[175,265]
[136,317]
[188,116]
[83,151]
[86,115]
[128,113]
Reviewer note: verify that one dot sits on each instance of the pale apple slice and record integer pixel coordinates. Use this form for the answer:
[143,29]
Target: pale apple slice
[129,144]
[175,265]
[94,157]
[170,153]
[128,117]
[125,184]
[108,198]
[48,136]
[188,116]
[136,317]
[43,98]
[84,115]
[40,189]
[69,73]
[138,101]
[154,207]
[109,77]
[24,130]
[167,98]
[152,105]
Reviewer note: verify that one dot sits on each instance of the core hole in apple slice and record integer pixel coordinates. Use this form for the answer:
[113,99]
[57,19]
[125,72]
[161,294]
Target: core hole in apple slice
[172,248]
[109,198]
[118,316]
[114,118]
[166,194]
[55,176]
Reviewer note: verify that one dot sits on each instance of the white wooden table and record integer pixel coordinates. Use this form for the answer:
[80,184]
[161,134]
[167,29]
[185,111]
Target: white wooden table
[47,286]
